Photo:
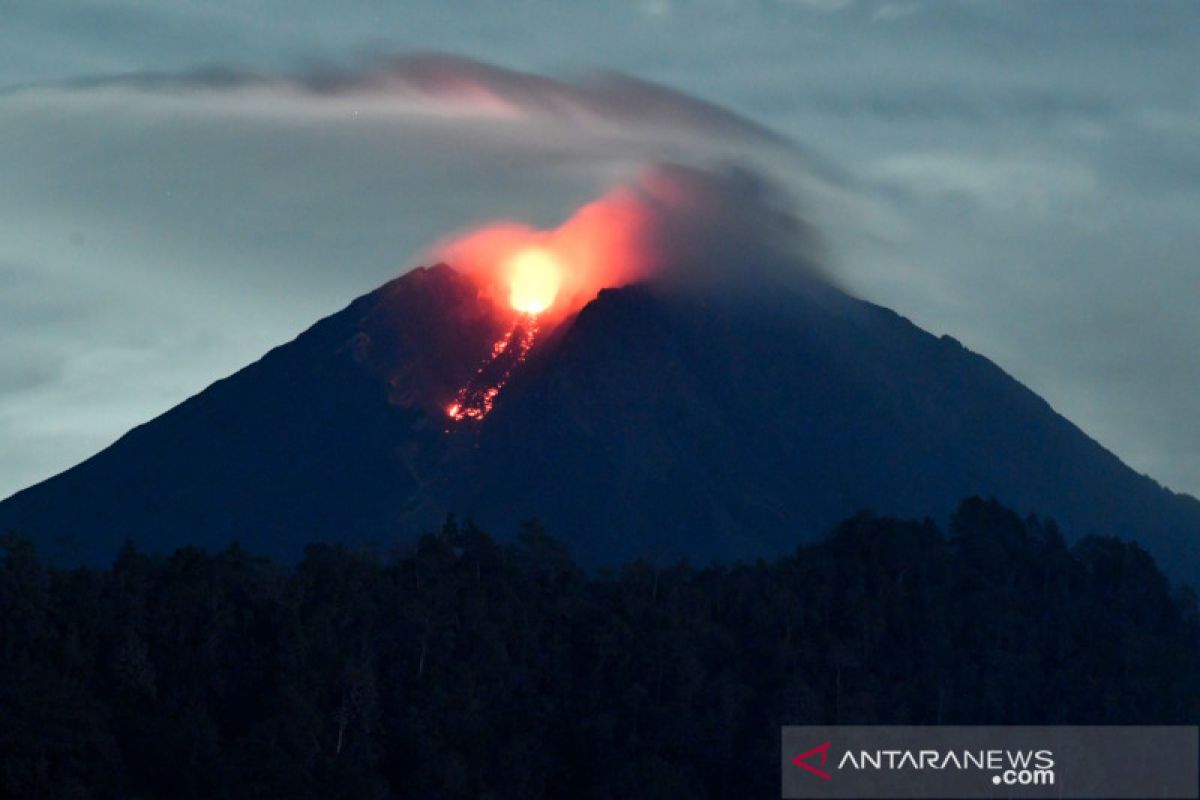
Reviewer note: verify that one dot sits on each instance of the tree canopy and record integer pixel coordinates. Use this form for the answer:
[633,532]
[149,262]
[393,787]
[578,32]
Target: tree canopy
[463,667]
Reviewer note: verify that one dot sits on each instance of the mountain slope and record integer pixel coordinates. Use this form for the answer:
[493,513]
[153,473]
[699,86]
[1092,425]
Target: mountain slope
[737,430]
[315,441]
[652,424]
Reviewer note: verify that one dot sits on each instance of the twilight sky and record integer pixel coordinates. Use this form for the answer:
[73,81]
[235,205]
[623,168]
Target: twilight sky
[187,184]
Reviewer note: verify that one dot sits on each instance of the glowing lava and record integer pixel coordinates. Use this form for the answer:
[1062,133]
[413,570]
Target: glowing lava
[544,276]
[534,277]
[474,401]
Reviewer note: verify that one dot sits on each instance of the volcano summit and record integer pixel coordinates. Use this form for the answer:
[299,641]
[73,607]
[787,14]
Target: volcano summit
[648,423]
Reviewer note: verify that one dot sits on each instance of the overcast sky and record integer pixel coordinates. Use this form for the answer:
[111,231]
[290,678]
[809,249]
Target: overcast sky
[187,184]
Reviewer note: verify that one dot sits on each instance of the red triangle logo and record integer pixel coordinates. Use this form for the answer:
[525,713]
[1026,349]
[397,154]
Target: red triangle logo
[802,760]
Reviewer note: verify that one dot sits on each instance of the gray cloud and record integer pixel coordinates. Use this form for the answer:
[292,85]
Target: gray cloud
[605,99]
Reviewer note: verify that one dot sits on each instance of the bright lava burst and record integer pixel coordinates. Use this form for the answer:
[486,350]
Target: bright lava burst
[534,276]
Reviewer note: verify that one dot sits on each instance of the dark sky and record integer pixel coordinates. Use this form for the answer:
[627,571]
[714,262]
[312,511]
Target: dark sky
[1022,175]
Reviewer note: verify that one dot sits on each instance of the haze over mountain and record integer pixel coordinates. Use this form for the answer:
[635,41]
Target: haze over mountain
[651,423]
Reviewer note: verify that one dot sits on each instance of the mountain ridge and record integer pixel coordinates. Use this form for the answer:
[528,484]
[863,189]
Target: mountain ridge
[651,424]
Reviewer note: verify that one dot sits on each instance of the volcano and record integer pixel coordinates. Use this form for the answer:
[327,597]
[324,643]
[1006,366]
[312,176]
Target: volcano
[651,423]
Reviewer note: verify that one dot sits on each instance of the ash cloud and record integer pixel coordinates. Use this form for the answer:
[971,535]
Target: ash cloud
[728,228]
[726,232]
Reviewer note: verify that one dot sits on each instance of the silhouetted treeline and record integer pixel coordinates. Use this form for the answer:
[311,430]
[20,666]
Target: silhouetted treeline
[466,668]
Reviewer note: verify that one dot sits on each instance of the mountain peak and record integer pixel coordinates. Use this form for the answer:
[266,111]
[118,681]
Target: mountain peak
[651,423]
[423,334]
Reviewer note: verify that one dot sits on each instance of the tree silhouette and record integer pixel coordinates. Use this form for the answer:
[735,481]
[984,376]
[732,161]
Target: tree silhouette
[469,668]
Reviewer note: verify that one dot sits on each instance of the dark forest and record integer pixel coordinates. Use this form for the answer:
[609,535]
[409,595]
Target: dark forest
[463,667]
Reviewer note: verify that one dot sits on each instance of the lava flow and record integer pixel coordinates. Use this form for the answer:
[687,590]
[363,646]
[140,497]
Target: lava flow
[543,276]
[534,277]
[475,399]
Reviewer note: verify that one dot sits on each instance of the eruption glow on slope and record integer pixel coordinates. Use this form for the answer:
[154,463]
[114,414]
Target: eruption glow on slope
[554,272]
[474,400]
[534,276]
[541,276]
[684,225]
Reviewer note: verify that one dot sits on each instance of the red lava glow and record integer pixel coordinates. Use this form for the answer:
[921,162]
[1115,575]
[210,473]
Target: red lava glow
[543,276]
[474,400]
[534,276]
[553,273]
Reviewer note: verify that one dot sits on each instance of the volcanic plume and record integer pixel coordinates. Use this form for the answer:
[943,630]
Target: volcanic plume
[693,227]
[542,276]
[670,224]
